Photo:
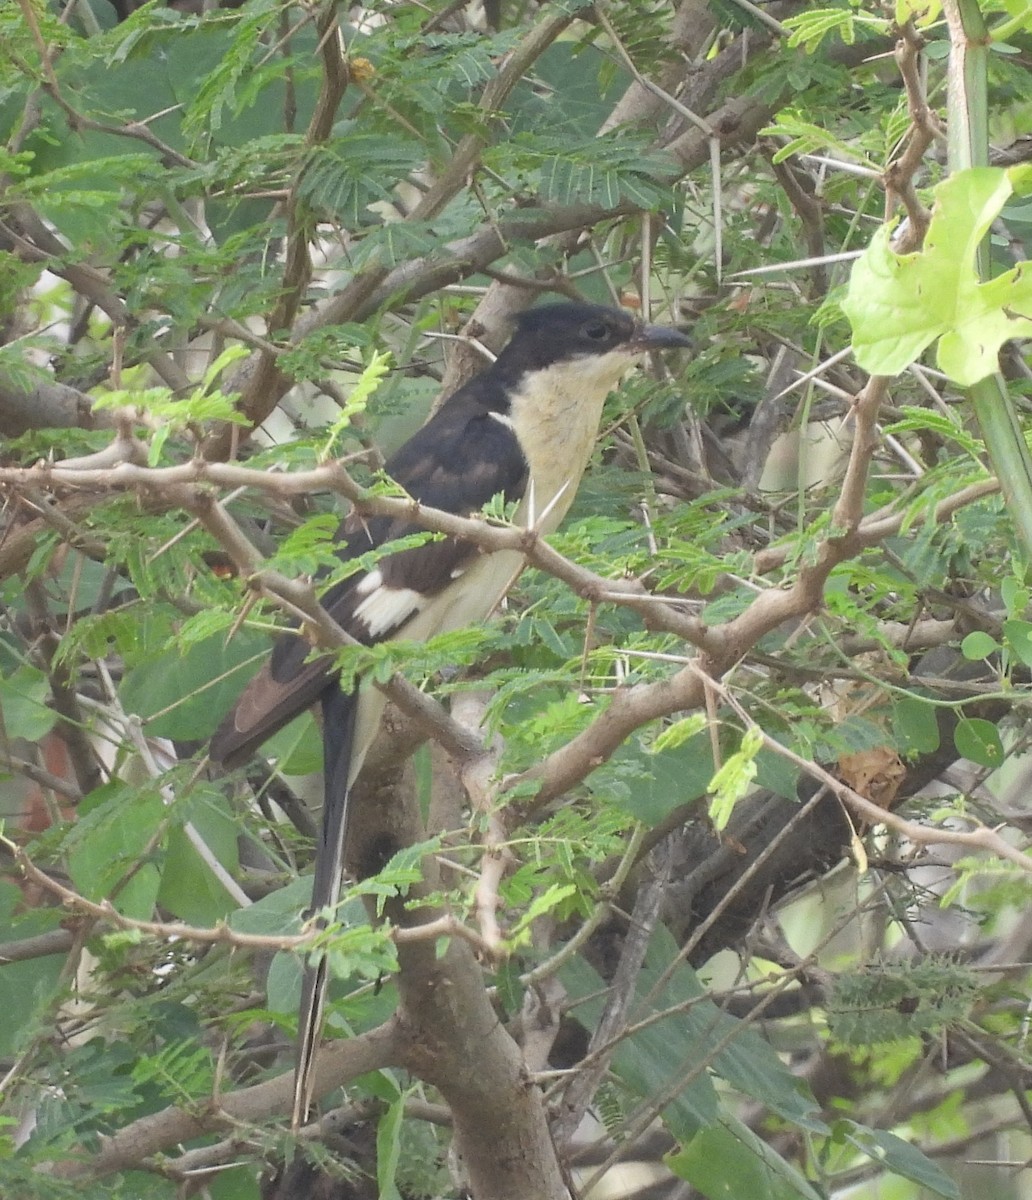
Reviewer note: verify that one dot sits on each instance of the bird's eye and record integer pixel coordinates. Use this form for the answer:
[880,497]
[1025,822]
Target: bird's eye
[597,332]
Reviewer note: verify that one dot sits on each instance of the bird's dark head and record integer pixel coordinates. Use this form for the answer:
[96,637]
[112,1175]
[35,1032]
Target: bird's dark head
[559,333]
[549,384]
[565,354]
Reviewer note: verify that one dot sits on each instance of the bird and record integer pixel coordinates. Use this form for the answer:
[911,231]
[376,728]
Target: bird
[524,428]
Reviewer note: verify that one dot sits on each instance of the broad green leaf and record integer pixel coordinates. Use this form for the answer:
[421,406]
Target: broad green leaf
[915,725]
[26,988]
[727,1160]
[297,749]
[663,782]
[978,645]
[901,1158]
[115,848]
[664,1052]
[1016,595]
[776,773]
[654,1059]
[979,741]
[183,695]
[899,304]
[189,889]
[1018,637]
[278,913]
[23,697]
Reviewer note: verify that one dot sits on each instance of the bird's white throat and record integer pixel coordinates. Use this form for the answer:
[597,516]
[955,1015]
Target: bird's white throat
[555,414]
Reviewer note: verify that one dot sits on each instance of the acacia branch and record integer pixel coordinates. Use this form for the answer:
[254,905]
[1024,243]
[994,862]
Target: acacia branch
[339,1061]
[982,838]
[176,485]
[35,242]
[259,380]
[632,708]
[220,934]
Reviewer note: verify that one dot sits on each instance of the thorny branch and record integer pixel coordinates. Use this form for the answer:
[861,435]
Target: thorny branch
[104,912]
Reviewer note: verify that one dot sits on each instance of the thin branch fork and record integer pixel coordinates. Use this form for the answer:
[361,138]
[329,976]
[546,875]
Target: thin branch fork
[340,1061]
[103,911]
[183,486]
[982,838]
[924,130]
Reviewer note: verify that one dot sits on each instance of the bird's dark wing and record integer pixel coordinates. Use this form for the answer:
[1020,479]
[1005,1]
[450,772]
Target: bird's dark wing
[540,401]
[457,462]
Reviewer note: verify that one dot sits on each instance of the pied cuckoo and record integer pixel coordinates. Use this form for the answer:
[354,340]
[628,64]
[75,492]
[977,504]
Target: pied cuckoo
[523,428]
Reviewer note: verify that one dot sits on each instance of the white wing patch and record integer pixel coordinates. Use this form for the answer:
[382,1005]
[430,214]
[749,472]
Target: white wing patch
[383,609]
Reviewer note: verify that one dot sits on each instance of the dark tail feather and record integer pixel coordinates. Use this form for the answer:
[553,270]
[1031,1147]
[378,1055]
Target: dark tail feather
[339,709]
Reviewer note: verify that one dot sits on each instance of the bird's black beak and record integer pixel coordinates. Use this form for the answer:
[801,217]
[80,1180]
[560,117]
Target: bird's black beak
[659,337]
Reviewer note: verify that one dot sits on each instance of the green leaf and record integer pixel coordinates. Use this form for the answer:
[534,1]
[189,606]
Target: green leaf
[664,782]
[388,1149]
[925,420]
[921,12]
[734,778]
[358,397]
[901,1158]
[26,988]
[675,735]
[548,900]
[114,847]
[1016,596]
[181,695]
[230,355]
[915,725]
[888,1003]
[174,412]
[181,1068]
[899,304]
[979,741]
[728,1160]
[663,1052]
[979,645]
[23,696]
[606,170]
[189,889]
[278,913]
[1017,636]
[356,169]
[298,748]
[355,950]
[654,1058]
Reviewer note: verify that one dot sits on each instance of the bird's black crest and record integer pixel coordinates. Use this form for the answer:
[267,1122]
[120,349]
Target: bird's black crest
[561,332]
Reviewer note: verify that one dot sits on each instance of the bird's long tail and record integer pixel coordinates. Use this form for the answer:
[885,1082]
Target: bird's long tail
[338,710]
